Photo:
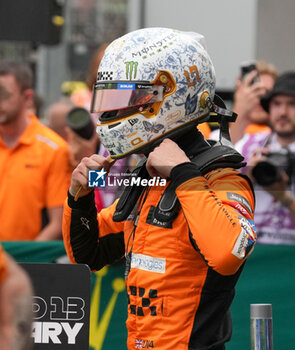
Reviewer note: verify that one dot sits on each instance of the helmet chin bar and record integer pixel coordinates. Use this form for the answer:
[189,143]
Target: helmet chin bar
[173,135]
[218,113]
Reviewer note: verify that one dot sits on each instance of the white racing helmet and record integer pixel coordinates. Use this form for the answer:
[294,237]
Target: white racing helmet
[151,84]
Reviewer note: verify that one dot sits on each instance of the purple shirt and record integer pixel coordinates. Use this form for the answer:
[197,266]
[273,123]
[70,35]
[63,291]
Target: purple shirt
[274,223]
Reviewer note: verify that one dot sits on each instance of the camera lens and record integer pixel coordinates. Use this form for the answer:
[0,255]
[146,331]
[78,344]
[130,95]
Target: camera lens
[80,121]
[266,173]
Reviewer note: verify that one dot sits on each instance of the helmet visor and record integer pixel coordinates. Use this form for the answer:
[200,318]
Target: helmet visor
[116,96]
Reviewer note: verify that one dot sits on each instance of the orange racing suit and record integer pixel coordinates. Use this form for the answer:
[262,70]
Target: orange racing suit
[182,273]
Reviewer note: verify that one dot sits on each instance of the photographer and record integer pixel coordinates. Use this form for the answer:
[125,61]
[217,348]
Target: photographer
[270,157]
[255,81]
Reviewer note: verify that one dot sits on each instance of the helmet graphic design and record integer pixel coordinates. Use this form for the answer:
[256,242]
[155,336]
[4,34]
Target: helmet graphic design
[151,84]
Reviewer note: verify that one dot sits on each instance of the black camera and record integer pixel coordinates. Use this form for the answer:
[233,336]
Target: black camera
[80,121]
[270,170]
[248,67]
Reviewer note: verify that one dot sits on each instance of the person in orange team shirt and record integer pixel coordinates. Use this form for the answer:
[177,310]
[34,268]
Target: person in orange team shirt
[34,163]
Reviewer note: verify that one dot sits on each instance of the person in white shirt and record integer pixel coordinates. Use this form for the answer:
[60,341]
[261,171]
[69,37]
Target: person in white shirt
[274,184]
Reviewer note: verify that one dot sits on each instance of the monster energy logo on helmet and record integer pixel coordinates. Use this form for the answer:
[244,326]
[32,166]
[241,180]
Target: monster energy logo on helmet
[131,70]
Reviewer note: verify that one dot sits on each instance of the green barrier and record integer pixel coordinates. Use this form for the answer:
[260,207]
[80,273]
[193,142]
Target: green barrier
[267,278]
[35,252]
[108,309]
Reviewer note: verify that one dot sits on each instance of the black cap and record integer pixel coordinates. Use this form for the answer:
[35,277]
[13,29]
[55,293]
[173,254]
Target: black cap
[284,85]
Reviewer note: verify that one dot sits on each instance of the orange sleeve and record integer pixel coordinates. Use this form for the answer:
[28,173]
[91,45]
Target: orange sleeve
[106,223]
[3,266]
[223,230]
[58,178]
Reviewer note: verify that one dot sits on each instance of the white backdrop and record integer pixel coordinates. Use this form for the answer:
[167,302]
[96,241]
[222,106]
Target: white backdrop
[229,27]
